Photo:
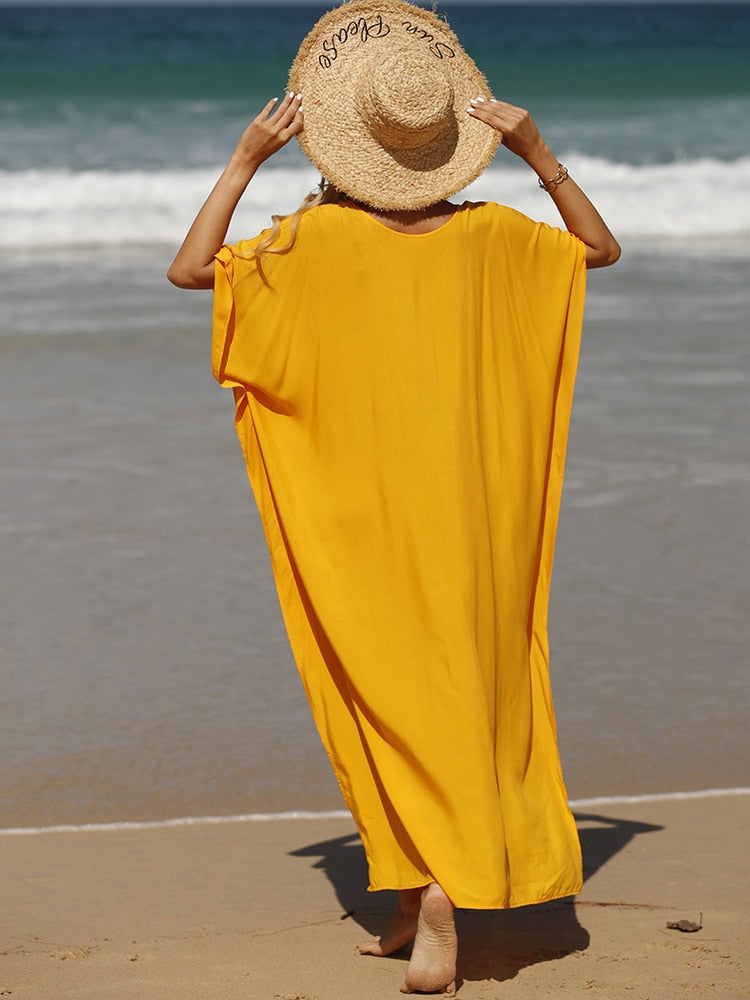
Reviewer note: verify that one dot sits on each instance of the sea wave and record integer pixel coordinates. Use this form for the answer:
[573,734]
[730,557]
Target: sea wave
[58,208]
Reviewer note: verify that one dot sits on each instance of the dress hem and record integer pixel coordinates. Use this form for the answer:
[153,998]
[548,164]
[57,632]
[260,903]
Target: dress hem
[514,905]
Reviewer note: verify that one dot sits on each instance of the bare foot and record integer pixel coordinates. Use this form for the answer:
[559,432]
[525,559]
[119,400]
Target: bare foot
[401,929]
[432,968]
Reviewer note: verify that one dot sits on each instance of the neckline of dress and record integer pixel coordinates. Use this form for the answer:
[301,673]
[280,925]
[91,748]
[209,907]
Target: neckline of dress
[404,232]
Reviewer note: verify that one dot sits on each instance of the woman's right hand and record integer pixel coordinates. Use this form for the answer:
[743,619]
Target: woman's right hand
[277,123]
[522,137]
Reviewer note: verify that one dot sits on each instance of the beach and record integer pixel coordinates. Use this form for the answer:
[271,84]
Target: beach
[148,678]
[275,910]
[169,822]
[148,675]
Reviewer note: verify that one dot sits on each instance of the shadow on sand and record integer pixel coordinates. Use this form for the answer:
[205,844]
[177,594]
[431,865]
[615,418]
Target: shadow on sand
[495,944]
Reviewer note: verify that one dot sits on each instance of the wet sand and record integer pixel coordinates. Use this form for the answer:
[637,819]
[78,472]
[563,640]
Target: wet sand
[147,675]
[146,670]
[274,911]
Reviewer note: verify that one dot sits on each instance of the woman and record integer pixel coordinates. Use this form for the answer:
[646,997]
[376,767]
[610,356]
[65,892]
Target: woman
[403,373]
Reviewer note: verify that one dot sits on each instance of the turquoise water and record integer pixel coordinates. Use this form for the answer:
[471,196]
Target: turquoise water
[216,53]
[114,120]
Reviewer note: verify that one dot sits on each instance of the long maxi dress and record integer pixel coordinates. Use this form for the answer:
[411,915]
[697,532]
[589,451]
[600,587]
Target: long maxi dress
[402,402]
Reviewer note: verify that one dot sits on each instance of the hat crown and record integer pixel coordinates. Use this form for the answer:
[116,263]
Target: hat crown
[405,101]
[386,85]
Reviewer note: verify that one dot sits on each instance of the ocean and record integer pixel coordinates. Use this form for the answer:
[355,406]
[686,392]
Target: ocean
[146,673]
[115,120]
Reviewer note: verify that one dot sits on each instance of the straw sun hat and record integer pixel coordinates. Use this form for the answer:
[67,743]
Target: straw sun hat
[385,86]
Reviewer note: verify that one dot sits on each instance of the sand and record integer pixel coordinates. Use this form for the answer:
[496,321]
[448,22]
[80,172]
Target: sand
[274,910]
[146,672]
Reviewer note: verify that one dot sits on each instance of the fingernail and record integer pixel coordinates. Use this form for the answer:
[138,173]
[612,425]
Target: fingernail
[290,95]
[299,97]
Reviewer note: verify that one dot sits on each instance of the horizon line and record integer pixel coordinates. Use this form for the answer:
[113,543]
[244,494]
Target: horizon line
[323,5]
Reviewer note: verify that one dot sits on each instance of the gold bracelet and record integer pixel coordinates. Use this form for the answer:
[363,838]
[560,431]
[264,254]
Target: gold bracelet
[554,182]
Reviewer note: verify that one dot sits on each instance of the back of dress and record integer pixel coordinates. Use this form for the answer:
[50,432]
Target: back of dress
[403,404]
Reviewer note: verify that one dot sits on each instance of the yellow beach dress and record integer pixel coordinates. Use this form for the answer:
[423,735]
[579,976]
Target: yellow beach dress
[402,402]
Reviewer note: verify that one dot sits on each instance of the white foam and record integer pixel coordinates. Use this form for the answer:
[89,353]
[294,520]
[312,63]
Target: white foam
[618,800]
[53,208]
[686,200]
[338,814]
[183,821]
[100,208]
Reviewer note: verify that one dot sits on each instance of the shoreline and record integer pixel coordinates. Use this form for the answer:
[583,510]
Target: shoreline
[343,814]
[274,910]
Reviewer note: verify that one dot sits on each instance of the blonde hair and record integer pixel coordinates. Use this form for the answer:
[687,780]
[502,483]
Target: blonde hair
[325,194]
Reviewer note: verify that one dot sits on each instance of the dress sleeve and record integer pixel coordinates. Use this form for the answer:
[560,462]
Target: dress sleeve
[223,314]
[544,276]
[236,284]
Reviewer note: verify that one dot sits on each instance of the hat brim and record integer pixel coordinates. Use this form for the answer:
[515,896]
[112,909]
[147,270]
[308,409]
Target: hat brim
[337,140]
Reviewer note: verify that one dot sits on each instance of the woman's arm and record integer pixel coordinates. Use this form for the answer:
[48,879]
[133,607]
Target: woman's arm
[522,137]
[193,267]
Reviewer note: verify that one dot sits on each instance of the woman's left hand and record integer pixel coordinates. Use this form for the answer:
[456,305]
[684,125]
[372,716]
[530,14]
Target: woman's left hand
[277,123]
[273,128]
